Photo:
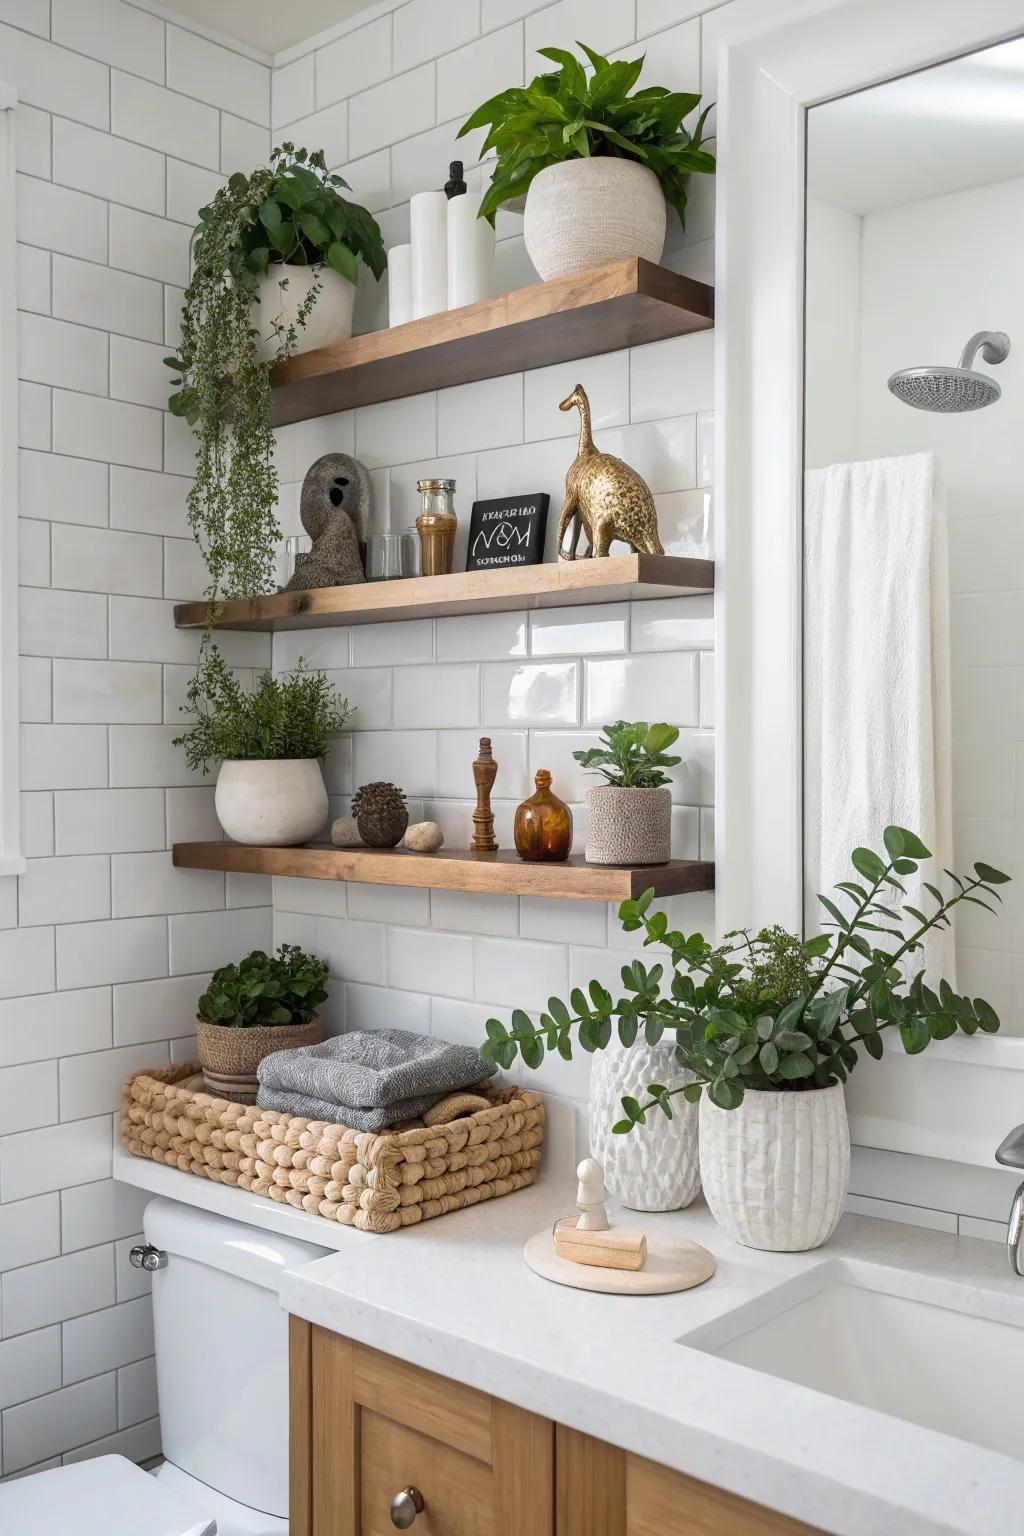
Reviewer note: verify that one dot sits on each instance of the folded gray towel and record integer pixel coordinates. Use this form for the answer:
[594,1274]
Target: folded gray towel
[373,1069]
[382,1118]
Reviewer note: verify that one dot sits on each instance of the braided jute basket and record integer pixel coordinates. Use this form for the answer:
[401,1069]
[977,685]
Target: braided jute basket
[377,1182]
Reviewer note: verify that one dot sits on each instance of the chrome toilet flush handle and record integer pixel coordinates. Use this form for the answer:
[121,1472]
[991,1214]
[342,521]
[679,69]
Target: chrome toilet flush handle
[145,1256]
[1011,1155]
[405,1506]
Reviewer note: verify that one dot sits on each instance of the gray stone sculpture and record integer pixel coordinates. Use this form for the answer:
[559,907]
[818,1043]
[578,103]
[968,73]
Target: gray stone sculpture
[335,512]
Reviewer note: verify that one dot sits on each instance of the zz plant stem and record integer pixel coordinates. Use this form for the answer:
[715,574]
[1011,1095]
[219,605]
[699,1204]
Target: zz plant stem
[756,1013]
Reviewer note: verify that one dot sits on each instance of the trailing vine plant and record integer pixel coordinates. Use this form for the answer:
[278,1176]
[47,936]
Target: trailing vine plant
[291,211]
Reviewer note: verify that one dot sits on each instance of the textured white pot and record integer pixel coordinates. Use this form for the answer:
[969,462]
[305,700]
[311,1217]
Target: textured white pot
[655,1167]
[629,826]
[775,1171]
[276,804]
[583,213]
[329,321]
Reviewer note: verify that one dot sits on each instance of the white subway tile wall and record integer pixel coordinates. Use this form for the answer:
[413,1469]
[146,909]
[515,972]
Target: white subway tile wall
[127,123]
[114,157]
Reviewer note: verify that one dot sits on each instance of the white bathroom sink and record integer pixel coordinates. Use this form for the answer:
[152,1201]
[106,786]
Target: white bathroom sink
[858,1332]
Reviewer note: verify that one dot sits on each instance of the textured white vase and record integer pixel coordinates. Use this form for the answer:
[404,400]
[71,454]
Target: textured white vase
[329,321]
[275,804]
[655,1167]
[583,213]
[628,826]
[775,1171]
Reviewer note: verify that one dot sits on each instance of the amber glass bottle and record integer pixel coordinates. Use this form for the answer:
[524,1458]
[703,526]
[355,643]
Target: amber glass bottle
[543,827]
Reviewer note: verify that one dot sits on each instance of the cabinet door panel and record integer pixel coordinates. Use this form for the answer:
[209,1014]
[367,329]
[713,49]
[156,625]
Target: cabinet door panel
[664,1503]
[458,1492]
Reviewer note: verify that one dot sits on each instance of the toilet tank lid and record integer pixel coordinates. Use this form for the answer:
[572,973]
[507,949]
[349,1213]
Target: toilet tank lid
[106,1496]
[233,1247]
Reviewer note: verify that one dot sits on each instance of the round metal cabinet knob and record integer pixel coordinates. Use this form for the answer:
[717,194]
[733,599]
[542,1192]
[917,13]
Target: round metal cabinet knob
[405,1506]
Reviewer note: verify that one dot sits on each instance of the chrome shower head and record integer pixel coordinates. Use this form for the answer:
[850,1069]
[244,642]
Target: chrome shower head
[954,389]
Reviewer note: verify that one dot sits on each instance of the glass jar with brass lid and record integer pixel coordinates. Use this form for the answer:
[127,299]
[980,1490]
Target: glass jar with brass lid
[436,526]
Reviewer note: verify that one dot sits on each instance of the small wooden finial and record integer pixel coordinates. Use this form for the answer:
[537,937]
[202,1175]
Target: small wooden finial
[484,771]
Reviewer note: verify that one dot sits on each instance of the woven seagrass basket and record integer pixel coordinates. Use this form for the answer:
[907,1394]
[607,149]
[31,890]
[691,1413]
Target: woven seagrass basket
[378,1183]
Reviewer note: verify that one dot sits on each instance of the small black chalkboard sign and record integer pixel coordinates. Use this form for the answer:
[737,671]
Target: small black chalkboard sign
[507,531]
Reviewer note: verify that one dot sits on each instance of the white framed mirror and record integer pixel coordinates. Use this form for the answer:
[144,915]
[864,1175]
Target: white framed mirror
[843,129]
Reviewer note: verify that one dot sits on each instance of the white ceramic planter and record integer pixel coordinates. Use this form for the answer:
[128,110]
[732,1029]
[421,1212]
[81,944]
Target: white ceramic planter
[583,213]
[276,804]
[655,1167]
[775,1171]
[629,826]
[329,321]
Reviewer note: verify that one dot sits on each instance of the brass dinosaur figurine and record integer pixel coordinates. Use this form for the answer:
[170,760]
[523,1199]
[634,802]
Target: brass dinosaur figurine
[604,497]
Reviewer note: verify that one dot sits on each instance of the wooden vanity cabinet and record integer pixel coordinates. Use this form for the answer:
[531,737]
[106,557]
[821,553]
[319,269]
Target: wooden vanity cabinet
[365,1427]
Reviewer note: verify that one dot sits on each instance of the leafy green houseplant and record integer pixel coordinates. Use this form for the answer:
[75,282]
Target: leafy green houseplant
[766,1020]
[269,742]
[274,258]
[263,1003]
[630,815]
[605,159]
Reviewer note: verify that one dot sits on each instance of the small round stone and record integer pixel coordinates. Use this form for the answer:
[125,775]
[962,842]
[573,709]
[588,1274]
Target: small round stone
[345,833]
[424,837]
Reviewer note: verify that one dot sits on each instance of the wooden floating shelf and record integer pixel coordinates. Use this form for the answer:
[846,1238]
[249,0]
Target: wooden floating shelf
[453,869]
[556,584]
[602,309]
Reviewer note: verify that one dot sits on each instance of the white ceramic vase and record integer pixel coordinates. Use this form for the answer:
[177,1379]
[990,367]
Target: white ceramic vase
[655,1167]
[276,804]
[628,826]
[583,213]
[775,1171]
[329,321]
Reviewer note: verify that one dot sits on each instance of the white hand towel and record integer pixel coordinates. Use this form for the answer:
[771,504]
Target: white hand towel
[877,675]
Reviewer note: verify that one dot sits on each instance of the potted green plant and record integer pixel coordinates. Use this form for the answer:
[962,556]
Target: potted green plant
[274,262]
[630,816]
[269,742]
[769,1027]
[264,1003]
[594,162]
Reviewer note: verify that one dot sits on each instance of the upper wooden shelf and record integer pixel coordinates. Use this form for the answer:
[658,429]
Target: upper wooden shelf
[555,584]
[602,309]
[454,869]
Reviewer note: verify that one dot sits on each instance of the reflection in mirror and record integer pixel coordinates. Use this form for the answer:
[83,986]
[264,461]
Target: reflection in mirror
[914,497]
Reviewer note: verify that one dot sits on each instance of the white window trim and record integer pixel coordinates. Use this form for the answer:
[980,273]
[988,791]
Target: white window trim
[11,862]
[958,1100]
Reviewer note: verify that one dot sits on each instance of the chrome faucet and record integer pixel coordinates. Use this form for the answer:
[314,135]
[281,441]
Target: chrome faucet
[1011,1155]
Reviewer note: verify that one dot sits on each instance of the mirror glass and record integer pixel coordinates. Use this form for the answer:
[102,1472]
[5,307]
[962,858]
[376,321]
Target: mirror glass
[914,495]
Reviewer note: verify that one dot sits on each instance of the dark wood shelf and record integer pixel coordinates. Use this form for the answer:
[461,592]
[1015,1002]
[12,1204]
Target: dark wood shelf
[602,309]
[555,584]
[453,869]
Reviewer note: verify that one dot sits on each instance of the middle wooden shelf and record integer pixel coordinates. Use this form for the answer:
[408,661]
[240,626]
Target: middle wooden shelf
[454,869]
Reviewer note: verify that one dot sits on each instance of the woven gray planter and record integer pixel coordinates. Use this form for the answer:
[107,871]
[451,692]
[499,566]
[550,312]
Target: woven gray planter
[629,826]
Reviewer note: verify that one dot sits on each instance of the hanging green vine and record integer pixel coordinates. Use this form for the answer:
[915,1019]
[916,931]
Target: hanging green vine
[288,212]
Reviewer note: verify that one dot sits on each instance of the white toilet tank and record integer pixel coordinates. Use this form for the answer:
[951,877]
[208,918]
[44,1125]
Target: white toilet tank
[222,1351]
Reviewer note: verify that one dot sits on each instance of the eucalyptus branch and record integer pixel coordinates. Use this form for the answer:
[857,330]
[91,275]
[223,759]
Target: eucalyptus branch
[755,1012]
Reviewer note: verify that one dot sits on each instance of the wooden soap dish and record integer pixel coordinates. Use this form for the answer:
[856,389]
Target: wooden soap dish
[673,1264]
[586,1252]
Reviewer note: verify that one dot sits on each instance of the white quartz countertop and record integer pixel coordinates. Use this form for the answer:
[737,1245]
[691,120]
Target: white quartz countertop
[455,1297]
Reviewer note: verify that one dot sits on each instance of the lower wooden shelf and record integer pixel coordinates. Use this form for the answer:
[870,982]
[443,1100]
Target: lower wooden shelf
[454,869]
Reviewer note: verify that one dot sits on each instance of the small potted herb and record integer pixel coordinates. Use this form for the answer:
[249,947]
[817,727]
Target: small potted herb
[595,163]
[766,1028]
[269,742]
[275,257]
[265,1003]
[630,816]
